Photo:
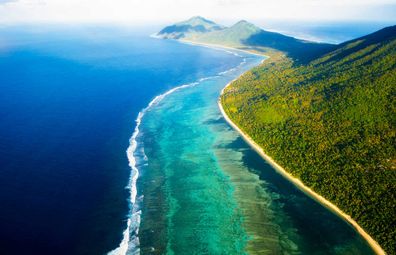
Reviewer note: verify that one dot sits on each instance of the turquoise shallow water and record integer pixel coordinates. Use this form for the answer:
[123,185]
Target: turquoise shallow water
[69,96]
[202,190]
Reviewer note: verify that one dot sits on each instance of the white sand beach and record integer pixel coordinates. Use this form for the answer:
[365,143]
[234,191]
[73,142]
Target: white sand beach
[300,185]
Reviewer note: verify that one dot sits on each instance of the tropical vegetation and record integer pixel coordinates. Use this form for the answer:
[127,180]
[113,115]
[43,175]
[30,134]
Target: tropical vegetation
[330,121]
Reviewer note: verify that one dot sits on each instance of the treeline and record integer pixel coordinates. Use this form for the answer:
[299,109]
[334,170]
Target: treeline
[330,123]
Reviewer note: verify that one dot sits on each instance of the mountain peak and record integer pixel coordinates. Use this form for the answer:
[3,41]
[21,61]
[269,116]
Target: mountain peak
[200,18]
[243,24]
[242,21]
[194,25]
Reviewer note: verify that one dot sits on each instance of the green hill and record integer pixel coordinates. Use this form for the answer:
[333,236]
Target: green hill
[244,35]
[230,36]
[331,123]
[195,25]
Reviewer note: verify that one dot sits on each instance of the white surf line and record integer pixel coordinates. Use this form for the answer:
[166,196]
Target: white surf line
[128,246]
[297,182]
[373,244]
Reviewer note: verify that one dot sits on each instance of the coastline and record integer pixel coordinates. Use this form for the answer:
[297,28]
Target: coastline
[134,217]
[299,184]
[295,181]
[135,212]
[212,45]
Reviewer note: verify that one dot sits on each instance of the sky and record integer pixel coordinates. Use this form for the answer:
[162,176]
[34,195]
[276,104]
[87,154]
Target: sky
[163,11]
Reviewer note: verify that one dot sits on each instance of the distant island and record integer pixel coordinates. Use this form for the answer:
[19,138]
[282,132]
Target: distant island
[244,36]
[326,113]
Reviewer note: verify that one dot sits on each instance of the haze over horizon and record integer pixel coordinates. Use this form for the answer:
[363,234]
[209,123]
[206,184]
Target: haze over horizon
[150,11]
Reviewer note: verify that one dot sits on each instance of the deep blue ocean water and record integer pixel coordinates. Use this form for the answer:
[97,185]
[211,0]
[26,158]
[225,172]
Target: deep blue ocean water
[69,98]
[203,190]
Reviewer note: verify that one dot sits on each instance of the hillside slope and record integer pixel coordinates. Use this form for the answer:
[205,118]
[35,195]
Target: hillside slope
[192,26]
[331,123]
[230,36]
[244,35]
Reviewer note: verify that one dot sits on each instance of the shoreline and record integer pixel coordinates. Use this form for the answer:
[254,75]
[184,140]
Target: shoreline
[295,181]
[134,210]
[212,46]
[299,184]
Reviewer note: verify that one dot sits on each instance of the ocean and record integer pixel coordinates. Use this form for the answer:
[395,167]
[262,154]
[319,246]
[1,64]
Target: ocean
[68,103]
[112,142]
[325,31]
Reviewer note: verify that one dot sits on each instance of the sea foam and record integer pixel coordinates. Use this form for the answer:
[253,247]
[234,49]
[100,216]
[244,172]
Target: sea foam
[130,241]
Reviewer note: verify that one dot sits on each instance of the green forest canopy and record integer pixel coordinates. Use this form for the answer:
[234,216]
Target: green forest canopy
[331,123]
